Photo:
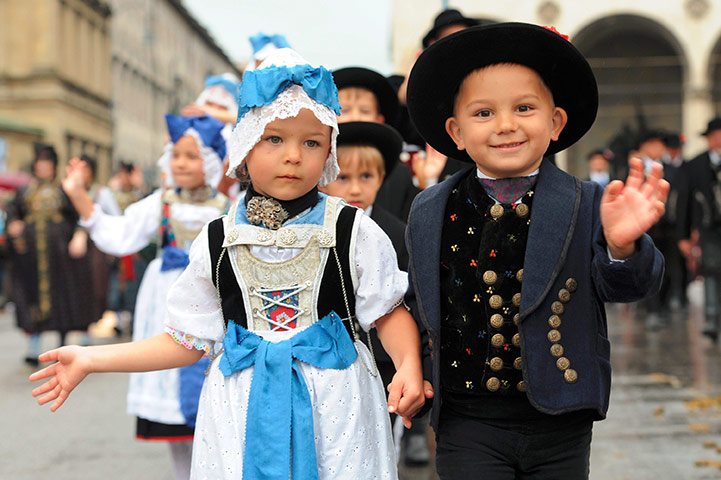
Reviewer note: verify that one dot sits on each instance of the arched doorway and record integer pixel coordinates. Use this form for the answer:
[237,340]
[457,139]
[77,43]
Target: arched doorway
[639,67]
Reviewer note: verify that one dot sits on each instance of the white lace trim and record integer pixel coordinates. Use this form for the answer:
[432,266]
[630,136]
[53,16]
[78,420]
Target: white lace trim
[212,164]
[250,128]
[218,95]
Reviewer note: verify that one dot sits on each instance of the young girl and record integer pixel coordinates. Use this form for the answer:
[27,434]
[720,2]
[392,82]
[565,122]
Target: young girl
[191,166]
[290,262]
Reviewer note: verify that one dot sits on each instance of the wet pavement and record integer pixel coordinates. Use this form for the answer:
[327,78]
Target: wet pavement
[664,421]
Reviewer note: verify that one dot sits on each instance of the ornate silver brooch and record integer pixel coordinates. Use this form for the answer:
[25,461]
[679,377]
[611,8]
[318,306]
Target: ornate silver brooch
[266,211]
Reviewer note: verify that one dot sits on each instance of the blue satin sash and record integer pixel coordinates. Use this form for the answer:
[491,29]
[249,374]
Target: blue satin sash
[279,396]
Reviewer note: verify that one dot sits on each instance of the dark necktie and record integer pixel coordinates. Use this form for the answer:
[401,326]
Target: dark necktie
[508,190]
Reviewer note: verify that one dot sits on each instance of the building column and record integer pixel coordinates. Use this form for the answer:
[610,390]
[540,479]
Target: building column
[697,111]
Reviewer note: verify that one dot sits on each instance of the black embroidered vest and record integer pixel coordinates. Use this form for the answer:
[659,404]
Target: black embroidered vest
[482,250]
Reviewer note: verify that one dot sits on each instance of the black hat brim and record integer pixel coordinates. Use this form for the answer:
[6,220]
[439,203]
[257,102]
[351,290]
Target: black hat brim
[381,136]
[373,81]
[440,69]
[712,126]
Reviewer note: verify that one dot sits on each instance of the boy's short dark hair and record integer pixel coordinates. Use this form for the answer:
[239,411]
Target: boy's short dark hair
[442,67]
[598,151]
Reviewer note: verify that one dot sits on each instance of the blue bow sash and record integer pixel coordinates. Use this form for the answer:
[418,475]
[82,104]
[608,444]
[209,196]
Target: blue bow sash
[261,87]
[279,396]
[174,257]
[208,128]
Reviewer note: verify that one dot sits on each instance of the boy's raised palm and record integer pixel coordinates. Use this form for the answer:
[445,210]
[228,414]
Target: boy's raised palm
[628,210]
[63,376]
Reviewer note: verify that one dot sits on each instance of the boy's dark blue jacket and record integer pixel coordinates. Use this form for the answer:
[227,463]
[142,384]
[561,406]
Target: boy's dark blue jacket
[565,241]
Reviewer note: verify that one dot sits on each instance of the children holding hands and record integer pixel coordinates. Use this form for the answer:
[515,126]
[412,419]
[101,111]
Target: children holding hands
[290,391]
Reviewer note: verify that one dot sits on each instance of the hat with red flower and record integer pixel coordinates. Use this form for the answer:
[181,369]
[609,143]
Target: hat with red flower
[437,75]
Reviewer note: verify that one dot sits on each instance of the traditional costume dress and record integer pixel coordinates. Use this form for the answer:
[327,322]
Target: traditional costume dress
[49,286]
[289,393]
[176,216]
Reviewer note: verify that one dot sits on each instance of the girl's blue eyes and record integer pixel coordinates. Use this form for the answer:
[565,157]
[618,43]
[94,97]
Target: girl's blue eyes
[277,140]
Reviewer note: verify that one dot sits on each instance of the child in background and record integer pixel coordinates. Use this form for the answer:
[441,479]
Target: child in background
[288,394]
[191,165]
[513,259]
[367,96]
[366,151]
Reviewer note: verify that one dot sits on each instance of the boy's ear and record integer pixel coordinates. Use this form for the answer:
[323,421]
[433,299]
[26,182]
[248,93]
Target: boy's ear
[380,118]
[454,130]
[559,119]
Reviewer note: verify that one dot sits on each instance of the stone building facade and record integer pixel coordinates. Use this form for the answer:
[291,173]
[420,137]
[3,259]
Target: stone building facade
[55,79]
[658,63]
[160,59]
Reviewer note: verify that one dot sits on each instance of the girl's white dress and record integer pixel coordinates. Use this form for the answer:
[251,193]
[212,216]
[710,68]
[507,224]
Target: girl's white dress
[350,418]
[153,395]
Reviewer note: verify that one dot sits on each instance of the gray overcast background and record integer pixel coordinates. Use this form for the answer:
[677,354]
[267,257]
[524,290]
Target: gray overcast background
[333,33]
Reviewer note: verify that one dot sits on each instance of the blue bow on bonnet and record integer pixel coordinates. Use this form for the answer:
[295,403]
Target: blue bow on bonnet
[261,39]
[207,127]
[261,87]
[230,86]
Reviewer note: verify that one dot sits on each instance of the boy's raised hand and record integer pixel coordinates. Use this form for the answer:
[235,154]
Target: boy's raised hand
[628,210]
[71,367]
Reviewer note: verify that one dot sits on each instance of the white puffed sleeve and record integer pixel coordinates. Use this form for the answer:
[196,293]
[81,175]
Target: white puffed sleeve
[192,308]
[128,233]
[381,285]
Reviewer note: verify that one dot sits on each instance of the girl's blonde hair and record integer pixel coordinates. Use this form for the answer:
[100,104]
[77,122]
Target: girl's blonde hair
[368,157]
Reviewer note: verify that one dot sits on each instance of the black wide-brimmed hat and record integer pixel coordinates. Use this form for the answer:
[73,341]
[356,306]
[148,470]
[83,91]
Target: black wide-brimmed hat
[381,136]
[713,124]
[440,69]
[373,81]
[445,19]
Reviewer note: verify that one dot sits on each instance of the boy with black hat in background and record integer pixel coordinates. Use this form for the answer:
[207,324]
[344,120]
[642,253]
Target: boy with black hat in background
[367,96]
[512,261]
[700,221]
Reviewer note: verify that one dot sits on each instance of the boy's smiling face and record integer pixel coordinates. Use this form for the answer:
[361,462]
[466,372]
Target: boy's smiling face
[505,118]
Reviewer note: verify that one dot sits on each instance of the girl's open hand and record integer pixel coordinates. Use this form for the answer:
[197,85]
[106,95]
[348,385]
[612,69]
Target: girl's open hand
[74,181]
[628,210]
[71,367]
[407,393]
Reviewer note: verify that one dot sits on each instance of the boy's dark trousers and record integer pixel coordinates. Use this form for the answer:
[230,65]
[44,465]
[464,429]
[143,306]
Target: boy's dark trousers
[550,448]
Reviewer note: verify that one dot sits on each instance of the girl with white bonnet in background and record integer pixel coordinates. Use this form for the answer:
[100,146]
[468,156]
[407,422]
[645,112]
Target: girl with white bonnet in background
[165,401]
[290,392]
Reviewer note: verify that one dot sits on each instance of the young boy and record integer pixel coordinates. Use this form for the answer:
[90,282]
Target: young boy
[367,96]
[511,261]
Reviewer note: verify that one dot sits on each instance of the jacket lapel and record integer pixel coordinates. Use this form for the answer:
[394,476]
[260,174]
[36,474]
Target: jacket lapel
[553,217]
[425,227]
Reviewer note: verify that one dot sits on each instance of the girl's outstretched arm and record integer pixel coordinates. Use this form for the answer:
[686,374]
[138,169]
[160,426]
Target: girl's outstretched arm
[74,363]
[398,333]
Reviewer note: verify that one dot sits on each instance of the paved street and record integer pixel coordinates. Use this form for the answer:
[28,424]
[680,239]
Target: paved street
[664,421]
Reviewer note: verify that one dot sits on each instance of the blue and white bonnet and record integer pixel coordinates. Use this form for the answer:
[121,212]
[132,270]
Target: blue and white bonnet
[281,86]
[207,134]
[263,45]
[221,90]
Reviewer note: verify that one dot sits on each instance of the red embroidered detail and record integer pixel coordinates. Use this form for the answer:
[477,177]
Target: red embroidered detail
[473,262]
[492,254]
[553,29]
[453,217]
[468,351]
